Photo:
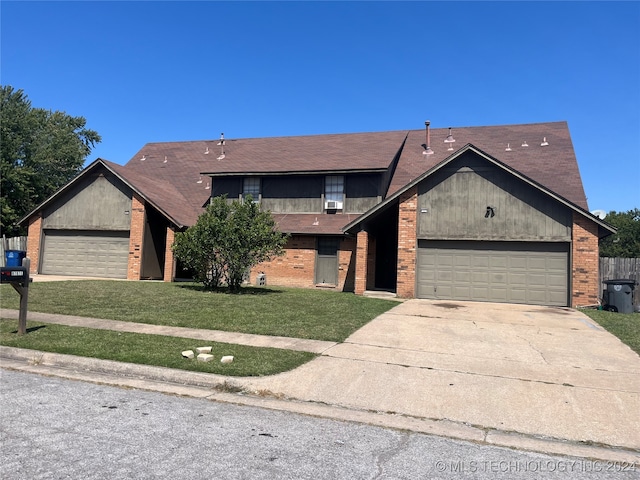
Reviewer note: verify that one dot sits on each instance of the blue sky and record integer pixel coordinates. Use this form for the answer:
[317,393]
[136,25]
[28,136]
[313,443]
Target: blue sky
[144,72]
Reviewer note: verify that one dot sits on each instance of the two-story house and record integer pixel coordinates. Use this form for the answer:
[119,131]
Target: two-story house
[492,213]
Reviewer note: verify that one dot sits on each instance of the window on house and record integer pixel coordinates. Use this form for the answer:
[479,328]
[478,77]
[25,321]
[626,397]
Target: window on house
[333,192]
[251,187]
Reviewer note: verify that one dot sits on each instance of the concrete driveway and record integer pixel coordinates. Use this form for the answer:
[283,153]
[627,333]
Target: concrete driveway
[541,371]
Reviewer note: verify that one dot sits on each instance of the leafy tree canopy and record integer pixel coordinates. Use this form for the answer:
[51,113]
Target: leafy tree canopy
[40,151]
[626,242]
[227,241]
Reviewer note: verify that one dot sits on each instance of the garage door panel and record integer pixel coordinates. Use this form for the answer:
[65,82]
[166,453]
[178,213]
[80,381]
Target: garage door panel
[84,253]
[535,273]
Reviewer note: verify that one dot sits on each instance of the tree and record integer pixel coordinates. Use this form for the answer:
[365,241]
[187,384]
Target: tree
[40,151]
[626,242]
[227,241]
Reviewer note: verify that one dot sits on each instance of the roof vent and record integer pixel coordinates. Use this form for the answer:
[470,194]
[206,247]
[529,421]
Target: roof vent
[199,179]
[144,157]
[449,138]
[525,144]
[427,147]
[221,145]
[544,142]
[165,159]
[508,149]
[206,152]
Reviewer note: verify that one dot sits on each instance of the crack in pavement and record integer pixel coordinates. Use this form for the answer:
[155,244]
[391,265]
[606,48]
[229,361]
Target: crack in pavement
[385,455]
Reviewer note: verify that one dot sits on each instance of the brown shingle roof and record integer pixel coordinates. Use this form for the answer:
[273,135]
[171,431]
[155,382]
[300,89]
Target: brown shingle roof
[313,224]
[553,166]
[172,185]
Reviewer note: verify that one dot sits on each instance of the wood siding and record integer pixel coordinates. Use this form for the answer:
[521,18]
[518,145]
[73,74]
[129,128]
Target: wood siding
[292,194]
[454,205]
[304,193]
[362,192]
[98,202]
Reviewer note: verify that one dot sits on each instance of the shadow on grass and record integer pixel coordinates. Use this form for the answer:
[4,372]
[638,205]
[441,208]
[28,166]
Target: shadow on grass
[32,329]
[224,290]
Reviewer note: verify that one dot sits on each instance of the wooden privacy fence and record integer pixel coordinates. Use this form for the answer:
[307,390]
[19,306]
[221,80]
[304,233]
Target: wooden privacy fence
[14,243]
[621,268]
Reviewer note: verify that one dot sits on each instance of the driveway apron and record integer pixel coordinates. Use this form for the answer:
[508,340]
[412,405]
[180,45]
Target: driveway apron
[541,371]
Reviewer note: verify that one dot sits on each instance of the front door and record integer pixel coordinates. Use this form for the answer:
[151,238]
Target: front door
[327,261]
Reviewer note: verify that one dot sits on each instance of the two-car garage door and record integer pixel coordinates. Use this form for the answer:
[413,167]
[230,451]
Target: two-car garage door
[511,272]
[86,253]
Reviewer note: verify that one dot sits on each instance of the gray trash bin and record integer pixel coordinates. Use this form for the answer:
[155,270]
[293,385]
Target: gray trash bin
[619,295]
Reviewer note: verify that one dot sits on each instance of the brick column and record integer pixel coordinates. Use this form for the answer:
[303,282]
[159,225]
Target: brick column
[169,260]
[585,262]
[136,237]
[362,253]
[371,264]
[33,242]
[407,234]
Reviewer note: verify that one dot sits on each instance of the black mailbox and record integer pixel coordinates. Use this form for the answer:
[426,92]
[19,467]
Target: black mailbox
[15,275]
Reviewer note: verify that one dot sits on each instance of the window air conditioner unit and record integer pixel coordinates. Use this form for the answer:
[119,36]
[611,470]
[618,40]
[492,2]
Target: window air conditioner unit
[332,205]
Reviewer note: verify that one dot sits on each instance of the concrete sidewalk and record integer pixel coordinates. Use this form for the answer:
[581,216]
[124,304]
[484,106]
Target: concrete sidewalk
[287,343]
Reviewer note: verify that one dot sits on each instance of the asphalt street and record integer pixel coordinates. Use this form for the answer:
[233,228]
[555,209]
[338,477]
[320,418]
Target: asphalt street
[52,428]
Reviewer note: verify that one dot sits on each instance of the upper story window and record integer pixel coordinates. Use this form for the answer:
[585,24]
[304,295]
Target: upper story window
[251,186]
[333,192]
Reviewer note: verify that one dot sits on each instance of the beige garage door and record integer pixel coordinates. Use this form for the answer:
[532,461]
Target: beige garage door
[84,253]
[511,272]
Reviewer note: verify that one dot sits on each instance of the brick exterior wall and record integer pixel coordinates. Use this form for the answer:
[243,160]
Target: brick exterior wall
[407,243]
[585,262]
[136,237]
[169,260]
[33,242]
[297,267]
[362,261]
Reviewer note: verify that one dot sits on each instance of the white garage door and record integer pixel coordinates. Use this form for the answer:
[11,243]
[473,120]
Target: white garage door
[84,253]
[511,272]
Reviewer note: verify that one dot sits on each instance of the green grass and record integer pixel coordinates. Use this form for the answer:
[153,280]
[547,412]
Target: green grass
[288,312]
[155,350]
[625,326]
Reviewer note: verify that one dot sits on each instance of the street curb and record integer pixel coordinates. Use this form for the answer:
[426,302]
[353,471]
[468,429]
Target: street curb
[215,387]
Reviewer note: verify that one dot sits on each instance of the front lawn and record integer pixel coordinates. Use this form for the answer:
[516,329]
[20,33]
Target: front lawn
[287,312]
[625,326]
[158,350]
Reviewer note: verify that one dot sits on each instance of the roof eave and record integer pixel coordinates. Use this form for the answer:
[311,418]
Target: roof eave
[301,172]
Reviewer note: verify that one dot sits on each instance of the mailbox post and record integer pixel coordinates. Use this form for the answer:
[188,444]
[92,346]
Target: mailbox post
[19,279]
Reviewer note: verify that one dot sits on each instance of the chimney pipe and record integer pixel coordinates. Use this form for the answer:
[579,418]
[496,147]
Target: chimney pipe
[427,150]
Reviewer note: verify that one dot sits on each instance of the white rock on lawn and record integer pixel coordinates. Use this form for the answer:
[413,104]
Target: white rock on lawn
[188,354]
[226,359]
[205,357]
[203,349]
